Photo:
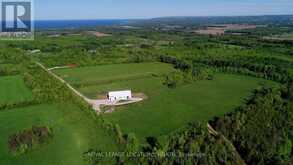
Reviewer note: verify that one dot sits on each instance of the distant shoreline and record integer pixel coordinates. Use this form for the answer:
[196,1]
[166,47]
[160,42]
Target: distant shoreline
[171,20]
[75,24]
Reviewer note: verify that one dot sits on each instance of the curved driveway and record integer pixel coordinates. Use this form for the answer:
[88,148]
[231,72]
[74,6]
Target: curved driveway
[96,104]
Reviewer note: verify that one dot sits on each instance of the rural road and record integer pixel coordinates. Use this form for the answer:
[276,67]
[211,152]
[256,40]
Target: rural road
[96,104]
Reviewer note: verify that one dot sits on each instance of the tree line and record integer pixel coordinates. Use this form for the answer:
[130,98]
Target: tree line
[193,144]
[270,70]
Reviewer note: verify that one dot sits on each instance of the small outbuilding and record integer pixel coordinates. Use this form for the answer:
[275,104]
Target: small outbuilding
[119,95]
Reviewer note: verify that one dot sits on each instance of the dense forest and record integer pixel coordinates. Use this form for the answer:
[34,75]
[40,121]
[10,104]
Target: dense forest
[261,130]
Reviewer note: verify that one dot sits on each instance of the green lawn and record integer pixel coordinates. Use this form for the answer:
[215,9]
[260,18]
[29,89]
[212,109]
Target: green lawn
[74,133]
[13,89]
[166,109]
[169,109]
[109,73]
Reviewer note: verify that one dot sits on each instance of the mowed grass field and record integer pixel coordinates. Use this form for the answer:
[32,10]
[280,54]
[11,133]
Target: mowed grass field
[166,109]
[109,73]
[13,89]
[74,133]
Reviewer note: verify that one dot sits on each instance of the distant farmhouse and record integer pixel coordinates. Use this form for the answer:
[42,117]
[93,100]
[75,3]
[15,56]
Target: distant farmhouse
[119,95]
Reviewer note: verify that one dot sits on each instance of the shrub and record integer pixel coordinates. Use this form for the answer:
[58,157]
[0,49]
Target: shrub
[6,106]
[173,79]
[28,139]
[132,143]
[176,78]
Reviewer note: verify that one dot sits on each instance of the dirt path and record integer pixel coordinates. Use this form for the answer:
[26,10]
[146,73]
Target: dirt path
[58,67]
[96,104]
[215,133]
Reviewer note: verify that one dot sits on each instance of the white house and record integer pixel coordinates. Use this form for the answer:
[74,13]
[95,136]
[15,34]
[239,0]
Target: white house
[119,95]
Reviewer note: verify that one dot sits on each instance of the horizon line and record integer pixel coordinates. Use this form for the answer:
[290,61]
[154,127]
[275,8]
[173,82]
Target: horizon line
[149,18]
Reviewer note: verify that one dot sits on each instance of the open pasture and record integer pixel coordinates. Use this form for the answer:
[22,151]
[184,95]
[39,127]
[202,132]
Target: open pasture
[109,73]
[13,89]
[74,132]
[166,109]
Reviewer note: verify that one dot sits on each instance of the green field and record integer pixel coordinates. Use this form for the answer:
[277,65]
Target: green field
[13,89]
[74,133]
[166,110]
[109,73]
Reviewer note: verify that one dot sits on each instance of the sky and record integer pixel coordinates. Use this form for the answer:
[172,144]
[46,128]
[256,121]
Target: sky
[133,9]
